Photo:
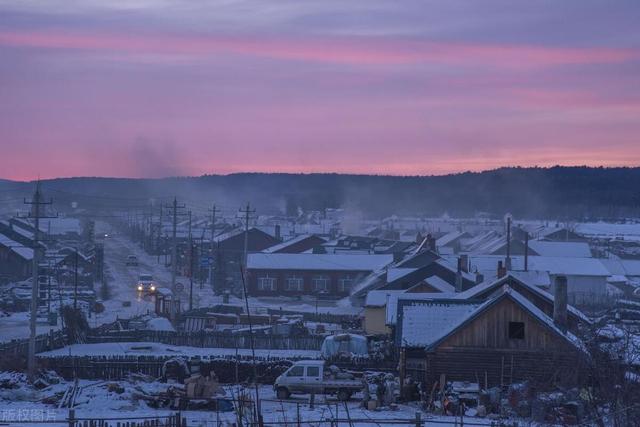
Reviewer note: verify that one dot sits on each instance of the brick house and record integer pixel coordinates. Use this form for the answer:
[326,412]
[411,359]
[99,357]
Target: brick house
[310,274]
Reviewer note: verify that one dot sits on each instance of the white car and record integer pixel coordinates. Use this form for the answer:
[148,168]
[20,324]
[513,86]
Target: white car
[312,376]
[146,284]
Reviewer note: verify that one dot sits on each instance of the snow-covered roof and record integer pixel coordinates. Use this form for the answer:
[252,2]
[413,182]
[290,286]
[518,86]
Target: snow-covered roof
[344,262]
[609,230]
[397,273]
[449,265]
[449,237]
[571,266]
[18,248]
[424,322]
[623,267]
[561,249]
[568,265]
[426,327]
[59,226]
[534,278]
[440,284]
[520,278]
[379,298]
[21,231]
[287,243]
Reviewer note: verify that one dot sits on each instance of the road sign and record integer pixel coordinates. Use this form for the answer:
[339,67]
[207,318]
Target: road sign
[206,261]
[179,287]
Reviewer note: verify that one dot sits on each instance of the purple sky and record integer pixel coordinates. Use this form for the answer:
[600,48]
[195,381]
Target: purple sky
[165,87]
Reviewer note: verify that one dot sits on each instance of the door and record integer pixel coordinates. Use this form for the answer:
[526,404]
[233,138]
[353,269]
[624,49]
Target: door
[314,378]
[296,379]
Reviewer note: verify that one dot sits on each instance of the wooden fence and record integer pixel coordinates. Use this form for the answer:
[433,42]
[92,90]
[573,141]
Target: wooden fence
[355,321]
[212,339]
[174,420]
[14,353]
[229,369]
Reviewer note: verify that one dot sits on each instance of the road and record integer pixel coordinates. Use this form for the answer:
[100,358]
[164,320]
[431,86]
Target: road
[124,300]
[122,279]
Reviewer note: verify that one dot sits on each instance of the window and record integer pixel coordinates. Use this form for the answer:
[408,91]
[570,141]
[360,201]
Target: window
[266,283]
[320,283]
[296,371]
[516,330]
[295,283]
[313,371]
[344,284]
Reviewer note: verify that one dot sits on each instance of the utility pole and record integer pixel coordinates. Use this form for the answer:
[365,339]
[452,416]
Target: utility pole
[174,246]
[247,215]
[213,211]
[36,215]
[174,251]
[75,280]
[190,266]
[159,235]
[200,254]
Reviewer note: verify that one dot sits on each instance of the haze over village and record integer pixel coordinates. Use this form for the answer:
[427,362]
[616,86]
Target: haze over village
[337,213]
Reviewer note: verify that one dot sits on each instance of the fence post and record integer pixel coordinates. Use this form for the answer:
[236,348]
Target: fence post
[418,419]
[72,417]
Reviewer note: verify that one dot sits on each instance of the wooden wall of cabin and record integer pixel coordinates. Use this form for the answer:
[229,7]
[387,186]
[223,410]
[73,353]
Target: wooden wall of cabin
[483,349]
[542,369]
[491,330]
[543,304]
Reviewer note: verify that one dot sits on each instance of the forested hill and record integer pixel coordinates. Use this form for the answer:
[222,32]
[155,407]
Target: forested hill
[557,192]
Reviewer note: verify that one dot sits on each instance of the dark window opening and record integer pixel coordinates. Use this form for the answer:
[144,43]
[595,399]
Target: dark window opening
[516,330]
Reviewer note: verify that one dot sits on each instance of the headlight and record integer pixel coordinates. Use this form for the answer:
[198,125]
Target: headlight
[153,288]
[140,287]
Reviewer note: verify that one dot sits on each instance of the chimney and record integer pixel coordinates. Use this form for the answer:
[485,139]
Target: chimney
[464,259]
[278,232]
[431,243]
[479,278]
[502,271]
[560,303]
[526,251]
[459,276]
[507,262]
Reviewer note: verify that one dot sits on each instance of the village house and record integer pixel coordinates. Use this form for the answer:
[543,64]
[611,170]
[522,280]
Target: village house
[496,342]
[587,277]
[296,245]
[380,305]
[310,274]
[16,260]
[229,252]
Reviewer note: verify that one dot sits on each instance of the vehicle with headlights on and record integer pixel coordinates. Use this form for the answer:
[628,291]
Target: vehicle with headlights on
[146,284]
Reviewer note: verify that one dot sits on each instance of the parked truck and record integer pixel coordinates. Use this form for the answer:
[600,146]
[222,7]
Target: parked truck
[313,376]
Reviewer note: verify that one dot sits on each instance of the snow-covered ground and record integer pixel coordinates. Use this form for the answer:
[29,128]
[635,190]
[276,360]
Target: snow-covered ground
[156,349]
[118,247]
[124,301]
[95,400]
[16,326]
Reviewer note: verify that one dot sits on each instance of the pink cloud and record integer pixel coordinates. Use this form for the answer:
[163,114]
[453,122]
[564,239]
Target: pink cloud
[345,50]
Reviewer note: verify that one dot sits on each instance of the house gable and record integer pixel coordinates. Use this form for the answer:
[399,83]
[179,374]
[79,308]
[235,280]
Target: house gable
[490,329]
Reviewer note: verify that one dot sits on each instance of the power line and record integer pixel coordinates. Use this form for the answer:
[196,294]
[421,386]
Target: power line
[36,203]
[174,252]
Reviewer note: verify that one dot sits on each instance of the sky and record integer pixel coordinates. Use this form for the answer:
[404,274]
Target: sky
[152,88]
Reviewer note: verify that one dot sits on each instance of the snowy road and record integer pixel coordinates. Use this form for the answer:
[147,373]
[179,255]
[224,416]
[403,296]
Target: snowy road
[123,279]
[125,302]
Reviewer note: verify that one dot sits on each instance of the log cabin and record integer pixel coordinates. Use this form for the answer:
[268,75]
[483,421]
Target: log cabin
[503,340]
